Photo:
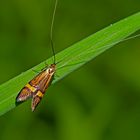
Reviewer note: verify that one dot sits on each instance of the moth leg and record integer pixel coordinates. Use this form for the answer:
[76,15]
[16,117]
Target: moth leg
[56,76]
[35,71]
[46,66]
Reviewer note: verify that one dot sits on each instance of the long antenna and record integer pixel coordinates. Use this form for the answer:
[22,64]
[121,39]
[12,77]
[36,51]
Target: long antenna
[51,31]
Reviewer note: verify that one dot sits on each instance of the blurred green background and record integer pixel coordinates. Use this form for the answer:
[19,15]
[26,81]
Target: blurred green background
[100,101]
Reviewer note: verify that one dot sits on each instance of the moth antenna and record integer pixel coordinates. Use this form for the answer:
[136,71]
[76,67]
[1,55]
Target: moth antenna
[51,31]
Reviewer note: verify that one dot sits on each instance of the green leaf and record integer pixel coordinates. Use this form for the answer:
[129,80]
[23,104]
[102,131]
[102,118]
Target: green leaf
[71,58]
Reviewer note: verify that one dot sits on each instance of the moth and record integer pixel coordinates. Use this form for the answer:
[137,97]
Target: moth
[37,87]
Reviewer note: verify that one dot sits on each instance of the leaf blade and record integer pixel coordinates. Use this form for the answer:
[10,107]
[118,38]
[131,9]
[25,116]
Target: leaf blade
[72,57]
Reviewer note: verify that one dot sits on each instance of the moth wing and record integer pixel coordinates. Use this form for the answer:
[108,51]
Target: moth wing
[35,101]
[24,94]
[35,81]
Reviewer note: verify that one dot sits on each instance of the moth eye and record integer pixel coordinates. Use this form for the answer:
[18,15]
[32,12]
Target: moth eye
[51,70]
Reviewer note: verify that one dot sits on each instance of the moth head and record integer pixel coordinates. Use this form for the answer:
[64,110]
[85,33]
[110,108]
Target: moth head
[52,68]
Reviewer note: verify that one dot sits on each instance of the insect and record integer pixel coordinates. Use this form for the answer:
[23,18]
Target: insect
[37,87]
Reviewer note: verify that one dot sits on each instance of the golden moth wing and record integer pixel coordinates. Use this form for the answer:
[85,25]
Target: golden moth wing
[35,101]
[35,81]
[24,94]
